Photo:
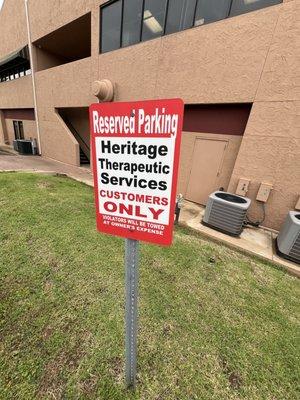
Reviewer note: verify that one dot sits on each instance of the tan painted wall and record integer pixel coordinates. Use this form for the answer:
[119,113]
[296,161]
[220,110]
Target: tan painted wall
[67,85]
[55,13]
[63,86]
[270,151]
[248,58]
[43,59]
[28,126]
[187,146]
[16,93]
[12,26]
[58,142]
[79,118]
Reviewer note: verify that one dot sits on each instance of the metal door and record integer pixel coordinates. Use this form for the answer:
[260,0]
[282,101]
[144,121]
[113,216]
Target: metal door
[206,167]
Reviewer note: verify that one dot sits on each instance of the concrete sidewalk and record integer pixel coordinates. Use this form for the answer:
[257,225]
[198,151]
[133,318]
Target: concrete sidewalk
[257,241]
[12,161]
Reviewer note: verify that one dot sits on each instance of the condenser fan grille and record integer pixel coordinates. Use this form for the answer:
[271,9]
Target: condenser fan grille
[295,250]
[227,217]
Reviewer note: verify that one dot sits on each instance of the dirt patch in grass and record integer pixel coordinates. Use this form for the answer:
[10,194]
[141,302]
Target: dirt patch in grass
[48,286]
[44,185]
[116,369]
[234,378]
[47,332]
[51,383]
[87,386]
[53,380]
[168,329]
[53,263]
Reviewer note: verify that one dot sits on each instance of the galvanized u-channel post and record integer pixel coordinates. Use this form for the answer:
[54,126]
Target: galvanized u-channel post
[131,284]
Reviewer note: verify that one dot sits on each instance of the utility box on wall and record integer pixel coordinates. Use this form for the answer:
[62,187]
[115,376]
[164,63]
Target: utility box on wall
[264,192]
[242,187]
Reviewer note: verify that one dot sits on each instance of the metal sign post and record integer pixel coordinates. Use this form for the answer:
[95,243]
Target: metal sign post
[131,284]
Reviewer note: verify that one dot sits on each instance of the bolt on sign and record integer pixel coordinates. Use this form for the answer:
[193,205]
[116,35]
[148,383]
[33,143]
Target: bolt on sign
[135,151]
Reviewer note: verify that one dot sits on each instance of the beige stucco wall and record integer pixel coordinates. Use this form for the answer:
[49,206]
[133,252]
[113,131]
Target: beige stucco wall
[43,59]
[270,151]
[63,86]
[55,13]
[248,58]
[79,118]
[57,141]
[16,93]
[12,26]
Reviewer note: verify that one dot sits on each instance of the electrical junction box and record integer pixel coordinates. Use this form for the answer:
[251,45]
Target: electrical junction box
[297,206]
[264,192]
[242,187]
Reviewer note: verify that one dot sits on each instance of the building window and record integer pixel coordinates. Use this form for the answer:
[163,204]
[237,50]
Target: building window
[211,11]
[111,22]
[154,19]
[132,20]
[181,15]
[18,129]
[127,22]
[244,6]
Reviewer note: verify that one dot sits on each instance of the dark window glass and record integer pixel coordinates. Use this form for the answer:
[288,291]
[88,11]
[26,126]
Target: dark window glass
[244,6]
[180,15]
[21,130]
[18,129]
[111,26]
[132,19]
[154,19]
[211,10]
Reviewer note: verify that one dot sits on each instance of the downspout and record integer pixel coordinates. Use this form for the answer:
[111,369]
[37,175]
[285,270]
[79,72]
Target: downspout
[33,77]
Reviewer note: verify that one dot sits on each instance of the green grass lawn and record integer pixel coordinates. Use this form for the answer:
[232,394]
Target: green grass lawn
[213,324]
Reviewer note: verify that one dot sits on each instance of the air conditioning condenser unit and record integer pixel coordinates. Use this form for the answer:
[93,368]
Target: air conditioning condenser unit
[15,145]
[288,240]
[226,212]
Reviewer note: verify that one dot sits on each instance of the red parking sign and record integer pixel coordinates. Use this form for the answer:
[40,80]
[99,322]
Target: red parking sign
[135,151]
